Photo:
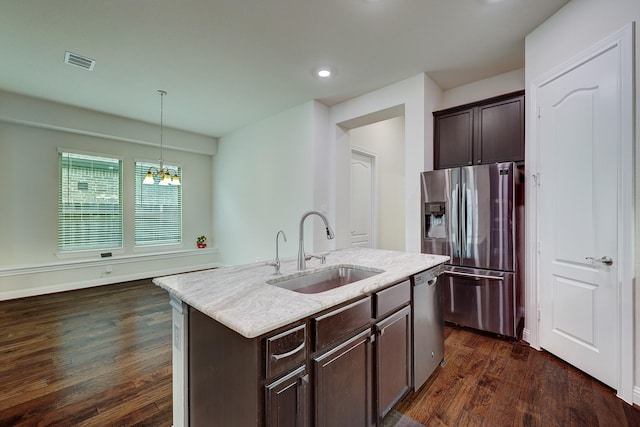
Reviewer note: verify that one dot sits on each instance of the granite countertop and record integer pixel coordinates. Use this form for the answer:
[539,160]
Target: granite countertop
[240,298]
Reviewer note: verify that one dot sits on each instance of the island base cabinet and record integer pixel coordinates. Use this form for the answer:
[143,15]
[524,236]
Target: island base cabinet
[343,386]
[287,400]
[223,375]
[393,360]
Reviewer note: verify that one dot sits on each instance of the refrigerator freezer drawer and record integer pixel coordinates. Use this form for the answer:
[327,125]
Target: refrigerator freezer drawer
[480,299]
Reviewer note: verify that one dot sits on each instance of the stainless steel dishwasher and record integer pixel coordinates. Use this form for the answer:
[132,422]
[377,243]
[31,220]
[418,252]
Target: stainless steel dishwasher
[428,323]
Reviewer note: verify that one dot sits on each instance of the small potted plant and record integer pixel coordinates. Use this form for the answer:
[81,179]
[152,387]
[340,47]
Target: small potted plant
[202,242]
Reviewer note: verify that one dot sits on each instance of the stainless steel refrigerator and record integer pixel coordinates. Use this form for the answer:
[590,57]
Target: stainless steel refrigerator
[474,215]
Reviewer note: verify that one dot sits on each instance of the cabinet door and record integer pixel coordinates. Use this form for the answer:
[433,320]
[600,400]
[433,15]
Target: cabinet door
[343,394]
[453,145]
[286,400]
[500,136]
[393,359]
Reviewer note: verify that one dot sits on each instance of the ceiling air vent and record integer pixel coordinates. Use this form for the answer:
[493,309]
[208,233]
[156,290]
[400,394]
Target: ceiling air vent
[79,61]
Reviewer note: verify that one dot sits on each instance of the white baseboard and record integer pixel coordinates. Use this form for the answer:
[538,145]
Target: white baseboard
[636,395]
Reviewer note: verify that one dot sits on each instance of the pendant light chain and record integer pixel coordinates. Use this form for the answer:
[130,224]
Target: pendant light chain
[167,176]
[162,94]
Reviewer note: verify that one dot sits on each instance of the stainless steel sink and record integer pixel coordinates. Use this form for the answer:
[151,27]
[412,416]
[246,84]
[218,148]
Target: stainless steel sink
[324,280]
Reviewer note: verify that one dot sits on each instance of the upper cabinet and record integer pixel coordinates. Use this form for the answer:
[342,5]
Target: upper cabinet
[485,132]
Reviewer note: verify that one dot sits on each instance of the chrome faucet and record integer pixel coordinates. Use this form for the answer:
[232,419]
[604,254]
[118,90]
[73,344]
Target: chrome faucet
[302,257]
[276,262]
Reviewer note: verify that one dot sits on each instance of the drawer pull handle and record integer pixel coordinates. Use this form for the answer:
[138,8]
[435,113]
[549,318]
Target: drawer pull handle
[276,357]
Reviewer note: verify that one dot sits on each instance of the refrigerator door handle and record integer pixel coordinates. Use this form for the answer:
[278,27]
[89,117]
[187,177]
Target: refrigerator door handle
[463,221]
[454,229]
[474,276]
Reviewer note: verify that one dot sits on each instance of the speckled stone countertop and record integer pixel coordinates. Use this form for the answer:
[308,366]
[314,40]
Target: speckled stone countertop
[240,298]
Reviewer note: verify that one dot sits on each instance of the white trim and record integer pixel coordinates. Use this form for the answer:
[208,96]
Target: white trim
[63,150]
[57,128]
[623,40]
[531,223]
[84,263]
[636,395]
[22,293]
[180,362]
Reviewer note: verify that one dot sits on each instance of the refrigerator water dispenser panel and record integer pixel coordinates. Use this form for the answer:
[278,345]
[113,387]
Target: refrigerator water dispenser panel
[435,221]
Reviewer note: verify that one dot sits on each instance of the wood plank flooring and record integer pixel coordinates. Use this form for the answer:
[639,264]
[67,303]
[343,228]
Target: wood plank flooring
[494,382]
[102,357]
[93,357]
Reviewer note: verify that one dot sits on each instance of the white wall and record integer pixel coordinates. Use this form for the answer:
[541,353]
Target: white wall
[493,86]
[31,130]
[263,181]
[576,27]
[385,140]
[418,95]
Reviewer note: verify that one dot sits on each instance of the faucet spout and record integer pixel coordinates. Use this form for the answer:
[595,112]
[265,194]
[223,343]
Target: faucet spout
[302,261]
[276,262]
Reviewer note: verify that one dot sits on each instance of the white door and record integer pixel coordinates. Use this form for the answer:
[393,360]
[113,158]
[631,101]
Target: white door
[362,180]
[579,141]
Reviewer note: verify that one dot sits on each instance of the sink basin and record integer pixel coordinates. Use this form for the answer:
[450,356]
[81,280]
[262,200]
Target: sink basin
[324,280]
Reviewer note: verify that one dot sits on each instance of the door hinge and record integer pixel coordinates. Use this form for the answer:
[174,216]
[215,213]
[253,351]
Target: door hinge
[539,112]
[538,246]
[536,179]
[539,315]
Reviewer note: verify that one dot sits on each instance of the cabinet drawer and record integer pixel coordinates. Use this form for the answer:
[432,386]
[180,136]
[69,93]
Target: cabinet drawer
[285,350]
[391,298]
[331,327]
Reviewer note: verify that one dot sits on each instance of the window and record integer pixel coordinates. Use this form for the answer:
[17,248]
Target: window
[89,202]
[158,209]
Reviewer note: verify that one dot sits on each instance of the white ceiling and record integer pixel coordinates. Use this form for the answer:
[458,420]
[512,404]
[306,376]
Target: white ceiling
[227,63]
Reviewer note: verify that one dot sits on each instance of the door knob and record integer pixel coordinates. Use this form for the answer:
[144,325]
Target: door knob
[606,260]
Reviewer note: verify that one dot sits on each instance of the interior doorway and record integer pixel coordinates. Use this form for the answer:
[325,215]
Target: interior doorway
[384,142]
[363,201]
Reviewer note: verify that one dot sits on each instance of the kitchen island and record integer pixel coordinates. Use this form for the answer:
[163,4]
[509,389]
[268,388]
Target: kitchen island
[245,346]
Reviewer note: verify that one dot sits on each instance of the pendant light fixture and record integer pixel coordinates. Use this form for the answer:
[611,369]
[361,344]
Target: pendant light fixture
[167,176]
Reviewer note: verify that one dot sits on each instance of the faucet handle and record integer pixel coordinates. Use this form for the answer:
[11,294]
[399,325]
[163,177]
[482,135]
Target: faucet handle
[275,264]
[321,257]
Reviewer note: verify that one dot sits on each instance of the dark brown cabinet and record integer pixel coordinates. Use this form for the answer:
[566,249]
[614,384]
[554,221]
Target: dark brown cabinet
[286,400]
[343,379]
[345,366]
[393,359]
[393,355]
[237,381]
[481,133]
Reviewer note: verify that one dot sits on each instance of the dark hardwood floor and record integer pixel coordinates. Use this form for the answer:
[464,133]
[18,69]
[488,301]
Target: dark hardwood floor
[94,357]
[494,382]
[102,357]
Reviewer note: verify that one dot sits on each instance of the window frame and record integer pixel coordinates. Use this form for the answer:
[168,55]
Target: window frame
[89,251]
[159,245]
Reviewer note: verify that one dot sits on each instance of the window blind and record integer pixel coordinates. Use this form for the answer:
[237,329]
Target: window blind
[158,209]
[89,202]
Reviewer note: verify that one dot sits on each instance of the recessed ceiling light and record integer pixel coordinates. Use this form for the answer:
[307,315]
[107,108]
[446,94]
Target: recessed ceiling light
[323,73]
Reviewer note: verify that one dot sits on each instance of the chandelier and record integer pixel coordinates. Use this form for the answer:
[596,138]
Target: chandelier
[167,176]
